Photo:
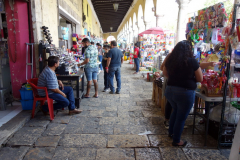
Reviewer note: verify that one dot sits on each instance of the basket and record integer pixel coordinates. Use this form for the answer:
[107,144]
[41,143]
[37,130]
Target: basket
[27,104]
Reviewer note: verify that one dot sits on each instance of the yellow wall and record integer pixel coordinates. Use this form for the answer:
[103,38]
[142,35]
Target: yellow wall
[106,35]
[90,20]
[49,7]
[76,7]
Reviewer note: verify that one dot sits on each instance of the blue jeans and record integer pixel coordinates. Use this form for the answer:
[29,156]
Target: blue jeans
[100,57]
[181,101]
[62,101]
[136,61]
[168,110]
[91,73]
[106,83]
[117,72]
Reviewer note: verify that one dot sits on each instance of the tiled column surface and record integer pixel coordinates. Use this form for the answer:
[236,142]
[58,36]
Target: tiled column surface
[112,127]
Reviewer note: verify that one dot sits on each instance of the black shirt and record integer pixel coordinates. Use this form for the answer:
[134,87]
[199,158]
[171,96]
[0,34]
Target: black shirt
[185,77]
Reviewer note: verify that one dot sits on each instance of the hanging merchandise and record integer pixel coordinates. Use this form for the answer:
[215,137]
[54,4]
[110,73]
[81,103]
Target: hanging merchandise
[154,48]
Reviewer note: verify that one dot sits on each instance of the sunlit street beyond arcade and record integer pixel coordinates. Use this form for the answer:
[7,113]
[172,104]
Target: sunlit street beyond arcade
[119,80]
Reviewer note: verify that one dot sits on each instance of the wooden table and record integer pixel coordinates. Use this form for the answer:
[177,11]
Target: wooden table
[75,77]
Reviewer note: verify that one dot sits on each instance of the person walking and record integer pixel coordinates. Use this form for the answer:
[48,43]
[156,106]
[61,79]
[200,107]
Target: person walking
[100,55]
[91,66]
[113,67]
[183,71]
[136,60]
[104,63]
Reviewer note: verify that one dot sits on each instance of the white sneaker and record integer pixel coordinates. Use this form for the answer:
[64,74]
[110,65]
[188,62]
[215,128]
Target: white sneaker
[105,90]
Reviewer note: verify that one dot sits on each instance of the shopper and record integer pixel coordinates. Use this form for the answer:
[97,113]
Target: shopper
[91,66]
[183,72]
[100,55]
[136,60]
[92,43]
[63,95]
[115,59]
[104,63]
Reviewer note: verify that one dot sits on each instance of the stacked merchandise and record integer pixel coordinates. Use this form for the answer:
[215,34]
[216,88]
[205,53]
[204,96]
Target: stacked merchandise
[75,40]
[154,48]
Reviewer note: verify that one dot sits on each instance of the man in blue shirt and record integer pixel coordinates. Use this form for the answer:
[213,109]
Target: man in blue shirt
[62,95]
[113,67]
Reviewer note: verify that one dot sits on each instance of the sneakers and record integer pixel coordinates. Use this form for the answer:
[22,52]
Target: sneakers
[111,92]
[106,89]
[75,111]
[166,124]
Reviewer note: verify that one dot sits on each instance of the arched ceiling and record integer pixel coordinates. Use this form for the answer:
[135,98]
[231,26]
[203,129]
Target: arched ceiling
[106,14]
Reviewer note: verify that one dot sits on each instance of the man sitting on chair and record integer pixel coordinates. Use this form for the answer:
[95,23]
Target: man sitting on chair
[62,95]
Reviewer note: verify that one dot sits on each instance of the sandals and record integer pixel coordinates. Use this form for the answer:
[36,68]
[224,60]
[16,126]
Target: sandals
[95,96]
[86,97]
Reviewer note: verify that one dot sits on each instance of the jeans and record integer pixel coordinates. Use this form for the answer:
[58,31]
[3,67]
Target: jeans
[106,83]
[181,101]
[62,101]
[100,57]
[136,61]
[168,110]
[91,73]
[117,72]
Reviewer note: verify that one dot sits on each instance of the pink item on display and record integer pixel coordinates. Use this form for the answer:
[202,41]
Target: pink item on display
[155,30]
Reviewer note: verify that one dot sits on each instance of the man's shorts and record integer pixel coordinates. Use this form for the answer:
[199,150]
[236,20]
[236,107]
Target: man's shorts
[91,73]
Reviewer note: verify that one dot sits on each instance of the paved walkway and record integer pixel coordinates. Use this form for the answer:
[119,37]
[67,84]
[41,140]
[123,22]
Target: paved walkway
[111,127]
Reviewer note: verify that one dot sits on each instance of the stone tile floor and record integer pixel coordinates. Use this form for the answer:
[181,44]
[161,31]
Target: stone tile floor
[110,127]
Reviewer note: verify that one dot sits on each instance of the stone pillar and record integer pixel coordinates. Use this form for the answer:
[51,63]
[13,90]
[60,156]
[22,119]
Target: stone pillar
[158,20]
[147,25]
[182,20]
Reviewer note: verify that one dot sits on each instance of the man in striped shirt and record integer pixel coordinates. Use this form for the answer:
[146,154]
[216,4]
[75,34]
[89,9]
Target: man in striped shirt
[62,95]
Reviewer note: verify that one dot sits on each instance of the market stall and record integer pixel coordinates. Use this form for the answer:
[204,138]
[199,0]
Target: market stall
[215,40]
[155,45]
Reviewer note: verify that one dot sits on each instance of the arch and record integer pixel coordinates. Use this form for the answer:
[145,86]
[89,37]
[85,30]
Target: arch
[130,30]
[140,19]
[111,38]
[134,21]
[130,23]
[149,14]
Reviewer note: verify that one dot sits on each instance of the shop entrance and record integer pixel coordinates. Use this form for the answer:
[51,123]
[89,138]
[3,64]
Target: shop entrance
[66,29]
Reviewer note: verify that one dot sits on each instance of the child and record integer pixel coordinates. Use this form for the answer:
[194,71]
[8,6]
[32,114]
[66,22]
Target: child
[104,63]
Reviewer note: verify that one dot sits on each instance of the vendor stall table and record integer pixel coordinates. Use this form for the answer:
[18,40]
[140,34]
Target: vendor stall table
[207,108]
[75,77]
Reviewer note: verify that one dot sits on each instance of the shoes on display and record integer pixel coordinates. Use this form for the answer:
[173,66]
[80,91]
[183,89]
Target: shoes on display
[75,111]
[105,90]
[166,124]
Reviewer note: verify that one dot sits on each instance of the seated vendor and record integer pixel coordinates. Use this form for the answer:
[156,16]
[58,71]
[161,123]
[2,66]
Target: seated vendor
[63,95]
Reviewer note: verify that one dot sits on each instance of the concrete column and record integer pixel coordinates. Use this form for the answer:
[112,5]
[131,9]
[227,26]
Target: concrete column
[147,25]
[158,20]
[182,20]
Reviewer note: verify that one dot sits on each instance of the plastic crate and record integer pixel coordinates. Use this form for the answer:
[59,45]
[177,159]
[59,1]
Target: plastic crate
[27,104]
[26,94]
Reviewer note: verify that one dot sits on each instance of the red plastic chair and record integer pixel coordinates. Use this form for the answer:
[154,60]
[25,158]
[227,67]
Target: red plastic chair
[33,82]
